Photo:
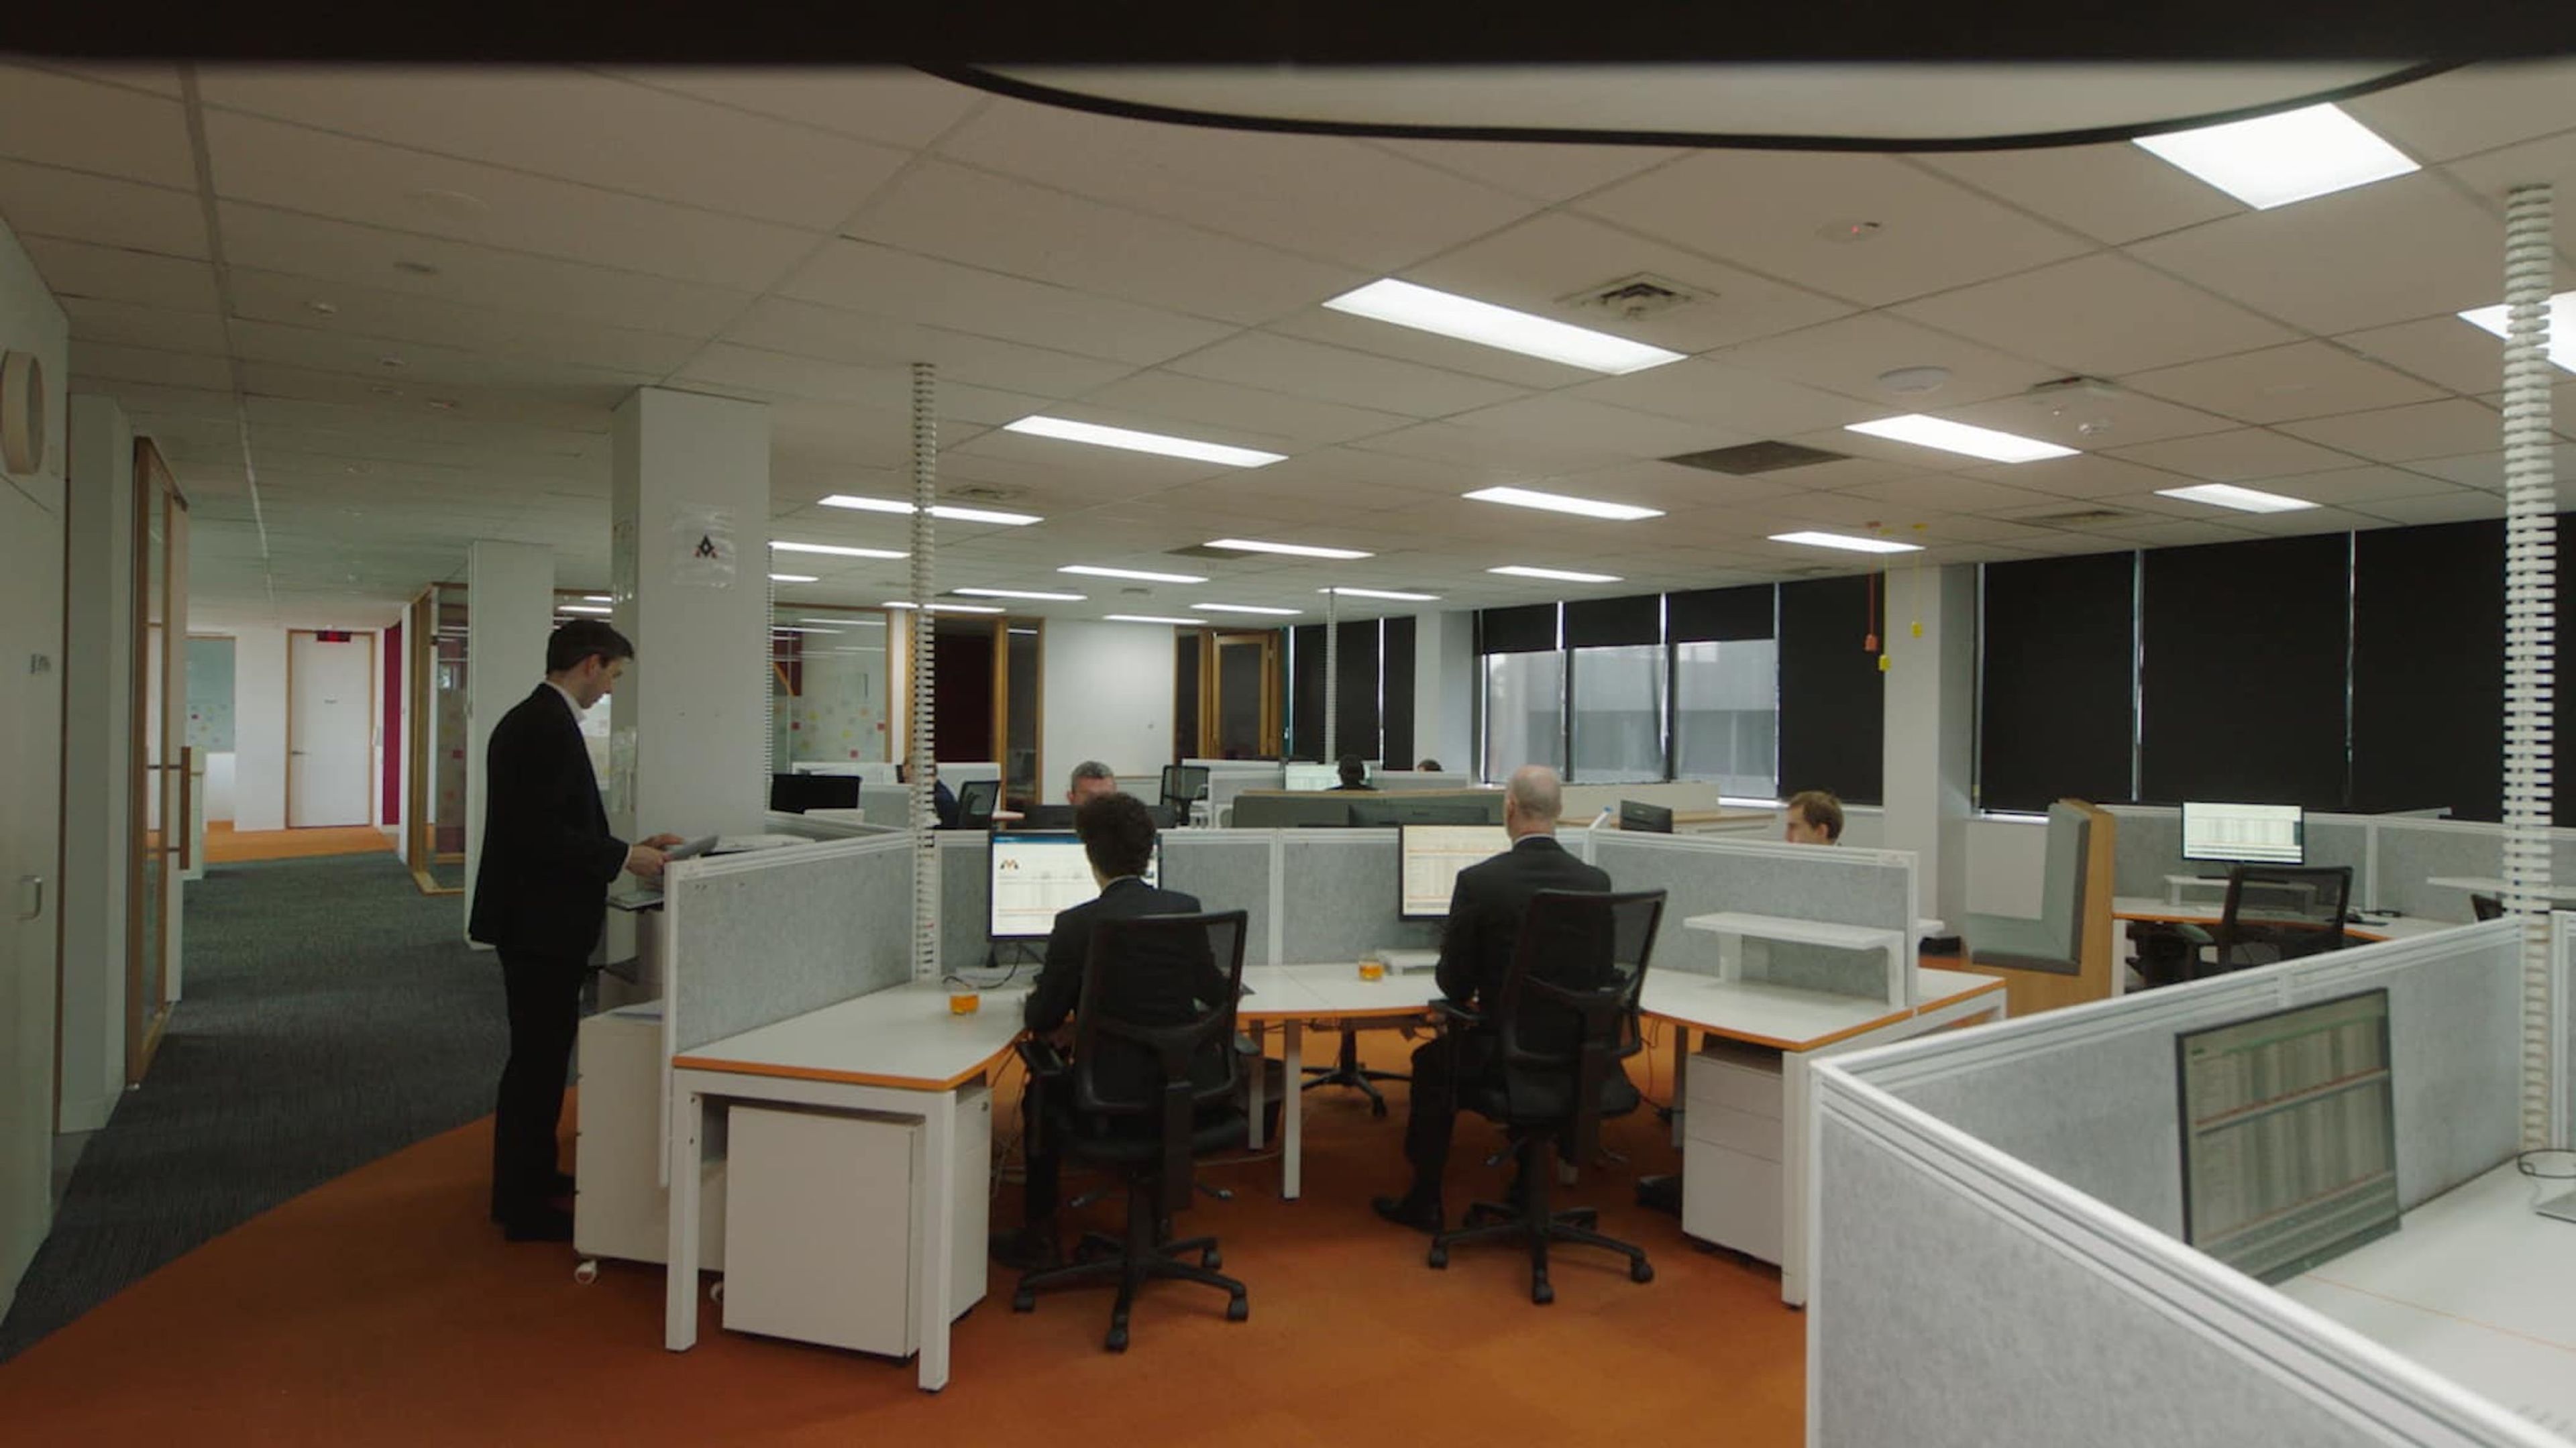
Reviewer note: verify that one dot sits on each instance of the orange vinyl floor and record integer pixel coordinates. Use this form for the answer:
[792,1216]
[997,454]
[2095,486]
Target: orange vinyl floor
[226,845]
[381,1308]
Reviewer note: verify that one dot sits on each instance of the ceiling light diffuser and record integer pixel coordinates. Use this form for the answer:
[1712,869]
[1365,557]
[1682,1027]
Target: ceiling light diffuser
[1847,542]
[1487,325]
[945,607]
[1244,608]
[1296,550]
[1383,593]
[2274,160]
[937,510]
[579,608]
[1959,437]
[2562,326]
[2243,500]
[1019,593]
[837,550]
[793,578]
[1138,573]
[1154,618]
[1067,430]
[1560,503]
[1561,575]
[597,598]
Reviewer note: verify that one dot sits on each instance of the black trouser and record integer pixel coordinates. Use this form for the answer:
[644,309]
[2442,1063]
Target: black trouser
[545,1011]
[1040,1155]
[1438,1067]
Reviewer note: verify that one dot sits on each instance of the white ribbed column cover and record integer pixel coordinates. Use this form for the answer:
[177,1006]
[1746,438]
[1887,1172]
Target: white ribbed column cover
[2530,582]
[920,768]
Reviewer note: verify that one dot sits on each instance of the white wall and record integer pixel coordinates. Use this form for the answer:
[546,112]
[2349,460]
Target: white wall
[98,736]
[512,586]
[1444,689]
[2007,864]
[250,783]
[1108,690]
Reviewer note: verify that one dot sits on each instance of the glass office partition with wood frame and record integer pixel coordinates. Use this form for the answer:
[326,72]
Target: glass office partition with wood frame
[439,760]
[831,687]
[157,760]
[1242,686]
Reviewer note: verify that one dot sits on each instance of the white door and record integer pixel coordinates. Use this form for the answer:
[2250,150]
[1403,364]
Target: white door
[330,728]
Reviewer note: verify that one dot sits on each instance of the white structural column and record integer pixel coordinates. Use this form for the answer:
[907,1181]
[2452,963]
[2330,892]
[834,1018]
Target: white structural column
[920,741]
[509,609]
[1444,689]
[2530,592]
[98,729]
[689,565]
[1930,746]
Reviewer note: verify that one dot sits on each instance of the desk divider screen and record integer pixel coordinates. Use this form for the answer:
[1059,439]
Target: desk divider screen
[2411,854]
[1341,898]
[760,937]
[1231,870]
[1701,874]
[965,858]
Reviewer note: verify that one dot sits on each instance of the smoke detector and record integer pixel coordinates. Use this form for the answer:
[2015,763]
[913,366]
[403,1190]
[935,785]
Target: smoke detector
[1632,298]
[1913,380]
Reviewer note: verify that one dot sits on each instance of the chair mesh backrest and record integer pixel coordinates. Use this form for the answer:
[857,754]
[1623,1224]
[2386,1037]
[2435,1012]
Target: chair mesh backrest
[2486,907]
[976,799]
[1569,1006]
[1183,783]
[2281,912]
[1154,1034]
[2061,900]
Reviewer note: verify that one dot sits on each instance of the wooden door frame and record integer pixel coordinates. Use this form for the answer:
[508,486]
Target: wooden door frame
[1002,705]
[1211,726]
[421,829]
[146,1019]
[374,688]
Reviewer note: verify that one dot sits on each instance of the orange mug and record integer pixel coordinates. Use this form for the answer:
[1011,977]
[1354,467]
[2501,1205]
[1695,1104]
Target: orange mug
[1372,970]
[964,1002]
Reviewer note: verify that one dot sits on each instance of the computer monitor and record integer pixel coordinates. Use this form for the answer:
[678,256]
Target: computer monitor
[1312,776]
[2289,1135]
[2254,834]
[1433,855]
[1036,873]
[1377,811]
[1653,819]
[797,793]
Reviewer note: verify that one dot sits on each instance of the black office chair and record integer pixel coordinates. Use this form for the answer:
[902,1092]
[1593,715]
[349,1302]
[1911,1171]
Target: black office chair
[976,801]
[2486,907]
[1566,1020]
[2273,913]
[1346,1070]
[1145,1100]
[1182,784]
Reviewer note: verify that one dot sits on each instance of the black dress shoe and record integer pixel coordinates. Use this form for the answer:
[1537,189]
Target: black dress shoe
[544,1224]
[559,1184]
[1421,1216]
[1025,1249]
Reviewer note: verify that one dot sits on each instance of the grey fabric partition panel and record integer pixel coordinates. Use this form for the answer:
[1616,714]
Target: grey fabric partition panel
[1307,808]
[965,858]
[1342,894]
[1700,876]
[887,804]
[1227,870]
[2335,841]
[2149,848]
[792,934]
[2410,854]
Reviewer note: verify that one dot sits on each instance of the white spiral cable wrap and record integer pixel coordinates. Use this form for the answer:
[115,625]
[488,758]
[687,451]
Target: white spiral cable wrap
[769,687]
[920,769]
[1332,678]
[2530,584]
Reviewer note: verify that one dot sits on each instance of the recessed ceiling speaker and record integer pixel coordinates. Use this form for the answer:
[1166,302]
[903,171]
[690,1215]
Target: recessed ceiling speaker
[22,412]
[1914,379]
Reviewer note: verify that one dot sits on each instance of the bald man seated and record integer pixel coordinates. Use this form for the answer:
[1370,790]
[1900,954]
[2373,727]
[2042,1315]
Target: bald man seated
[1486,908]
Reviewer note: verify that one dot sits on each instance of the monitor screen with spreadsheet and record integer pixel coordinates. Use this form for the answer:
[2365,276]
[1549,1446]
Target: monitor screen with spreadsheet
[1433,856]
[2252,834]
[2289,1135]
[1310,776]
[1036,873]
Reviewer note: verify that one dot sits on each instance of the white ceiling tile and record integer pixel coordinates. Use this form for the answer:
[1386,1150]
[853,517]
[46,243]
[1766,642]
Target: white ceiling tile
[1954,493]
[2101,315]
[2181,535]
[886,282]
[2401,434]
[2475,108]
[2444,351]
[1475,446]
[79,269]
[778,325]
[132,326]
[584,408]
[1011,226]
[2234,457]
[422,367]
[275,164]
[1537,264]
[579,126]
[337,252]
[1408,344]
[1847,356]
[1295,423]
[1772,211]
[2388,252]
[2486,470]
[133,75]
[1337,374]
[900,106]
[1670,486]
[1544,172]
[2458,506]
[2304,379]
[2116,193]
[401,319]
[49,201]
[57,120]
[1738,399]
[2493,175]
[2087,421]
[2361,488]
[2311,520]
[1556,418]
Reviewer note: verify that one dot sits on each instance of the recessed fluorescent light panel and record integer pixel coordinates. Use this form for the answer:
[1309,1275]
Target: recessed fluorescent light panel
[579,608]
[945,607]
[1019,593]
[2243,500]
[597,598]
[788,629]
[2274,160]
[1154,618]
[1959,437]
[1847,543]
[2562,326]
[793,578]
[849,621]
[1090,571]
[1383,593]
[1561,575]
[1067,430]
[1487,325]
[837,550]
[1243,608]
[1559,503]
[937,510]
[1294,550]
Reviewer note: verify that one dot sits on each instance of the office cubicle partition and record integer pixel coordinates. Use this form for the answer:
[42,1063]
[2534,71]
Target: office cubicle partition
[2392,857]
[1700,875]
[757,938]
[2023,1181]
[1341,896]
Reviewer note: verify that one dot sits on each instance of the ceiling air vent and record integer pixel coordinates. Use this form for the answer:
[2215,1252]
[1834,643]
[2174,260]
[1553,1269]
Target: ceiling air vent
[1201,550]
[1756,457]
[983,493]
[2079,518]
[1633,298]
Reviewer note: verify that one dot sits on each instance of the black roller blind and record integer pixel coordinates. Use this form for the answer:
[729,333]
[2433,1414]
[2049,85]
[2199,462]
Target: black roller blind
[1832,715]
[2243,672]
[1527,629]
[1596,623]
[2428,669]
[1720,615]
[1185,694]
[1306,692]
[1396,671]
[2054,712]
[1356,700]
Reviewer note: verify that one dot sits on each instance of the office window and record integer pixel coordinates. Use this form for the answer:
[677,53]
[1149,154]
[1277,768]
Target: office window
[1832,715]
[1524,712]
[1726,715]
[2243,669]
[1306,692]
[1355,696]
[2428,670]
[1617,711]
[2055,713]
[1395,693]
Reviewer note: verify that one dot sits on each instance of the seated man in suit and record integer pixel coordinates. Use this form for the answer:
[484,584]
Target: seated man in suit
[1118,837]
[1091,779]
[1486,908]
[1354,773]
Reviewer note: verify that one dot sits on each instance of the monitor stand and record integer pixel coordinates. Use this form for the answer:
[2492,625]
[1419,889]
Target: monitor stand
[2563,1207]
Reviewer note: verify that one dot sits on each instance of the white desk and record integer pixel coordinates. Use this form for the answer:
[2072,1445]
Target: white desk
[1288,996]
[1803,1025]
[1733,927]
[2390,927]
[2475,1287]
[896,1051]
[2478,885]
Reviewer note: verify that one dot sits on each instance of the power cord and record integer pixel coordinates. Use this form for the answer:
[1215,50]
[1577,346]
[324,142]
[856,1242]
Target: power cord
[2522,1163]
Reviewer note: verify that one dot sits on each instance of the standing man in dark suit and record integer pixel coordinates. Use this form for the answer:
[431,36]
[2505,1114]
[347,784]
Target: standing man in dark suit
[539,893]
[1486,908]
[1117,836]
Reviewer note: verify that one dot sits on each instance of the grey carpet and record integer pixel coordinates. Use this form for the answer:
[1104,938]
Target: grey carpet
[333,1014]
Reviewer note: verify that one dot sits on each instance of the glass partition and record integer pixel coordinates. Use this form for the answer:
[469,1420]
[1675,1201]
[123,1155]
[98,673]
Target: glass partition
[439,751]
[1524,712]
[1726,715]
[1617,714]
[831,687]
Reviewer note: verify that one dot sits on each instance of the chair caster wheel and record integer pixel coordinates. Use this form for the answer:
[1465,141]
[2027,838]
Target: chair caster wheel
[716,1293]
[1211,1260]
[1117,1339]
[1542,1294]
[1238,1310]
[586,1273]
[1439,1257]
[1641,1271]
[1378,1109]
[1024,1302]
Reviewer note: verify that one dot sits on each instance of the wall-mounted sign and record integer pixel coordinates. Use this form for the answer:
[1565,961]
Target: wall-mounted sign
[22,412]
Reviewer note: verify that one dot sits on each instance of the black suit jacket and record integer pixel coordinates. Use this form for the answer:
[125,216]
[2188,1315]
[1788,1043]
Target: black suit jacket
[1486,908]
[548,858]
[1169,991]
